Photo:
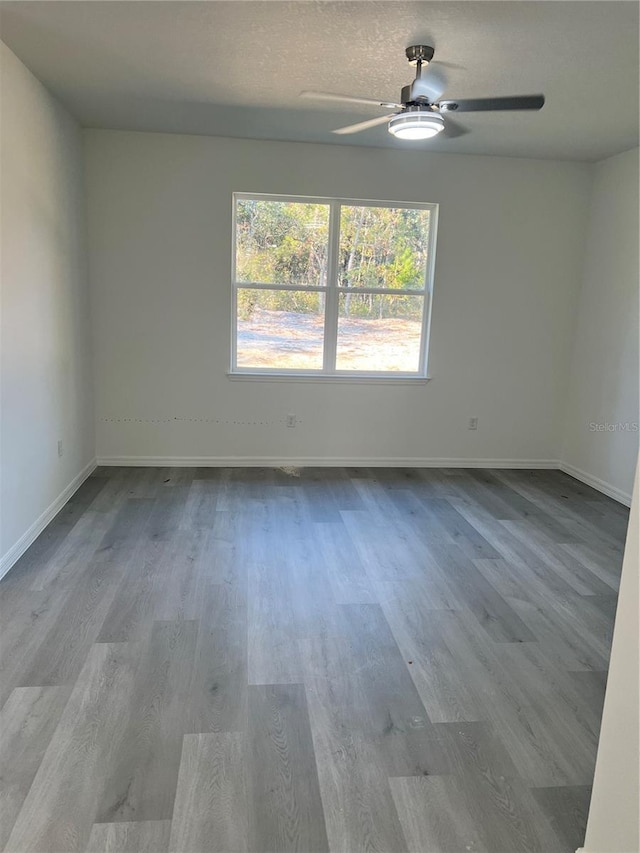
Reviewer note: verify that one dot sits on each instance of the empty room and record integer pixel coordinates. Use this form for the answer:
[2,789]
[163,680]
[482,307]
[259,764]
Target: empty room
[319,427]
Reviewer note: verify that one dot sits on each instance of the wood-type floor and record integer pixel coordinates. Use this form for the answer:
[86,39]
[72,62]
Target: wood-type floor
[308,660]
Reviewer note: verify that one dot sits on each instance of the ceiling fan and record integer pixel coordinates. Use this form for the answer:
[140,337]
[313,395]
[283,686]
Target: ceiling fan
[420,112]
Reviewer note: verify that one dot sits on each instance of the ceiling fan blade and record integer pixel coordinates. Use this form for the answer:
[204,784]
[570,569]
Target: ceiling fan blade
[363,125]
[453,65]
[472,105]
[452,129]
[431,85]
[348,99]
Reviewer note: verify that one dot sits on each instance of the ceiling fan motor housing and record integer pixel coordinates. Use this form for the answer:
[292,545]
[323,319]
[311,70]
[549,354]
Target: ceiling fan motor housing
[407,99]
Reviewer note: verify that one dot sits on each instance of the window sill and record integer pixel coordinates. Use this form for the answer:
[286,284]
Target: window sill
[315,378]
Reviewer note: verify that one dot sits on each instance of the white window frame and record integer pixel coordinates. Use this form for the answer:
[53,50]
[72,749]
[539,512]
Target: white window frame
[332,290]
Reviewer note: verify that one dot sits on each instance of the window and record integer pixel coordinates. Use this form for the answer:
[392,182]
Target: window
[331,287]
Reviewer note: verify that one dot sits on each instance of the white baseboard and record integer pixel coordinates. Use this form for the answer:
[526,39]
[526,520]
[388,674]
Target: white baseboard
[584,850]
[597,483]
[318,462]
[17,550]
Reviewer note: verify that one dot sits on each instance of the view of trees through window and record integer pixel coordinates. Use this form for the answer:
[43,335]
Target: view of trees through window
[283,267]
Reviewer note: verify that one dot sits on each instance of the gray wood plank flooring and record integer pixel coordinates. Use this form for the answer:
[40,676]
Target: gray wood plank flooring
[348,660]
[144,837]
[210,810]
[285,811]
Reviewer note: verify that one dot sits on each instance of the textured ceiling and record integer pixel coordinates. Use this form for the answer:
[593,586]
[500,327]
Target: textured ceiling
[236,68]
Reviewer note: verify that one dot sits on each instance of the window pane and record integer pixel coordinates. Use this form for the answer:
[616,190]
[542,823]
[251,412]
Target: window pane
[379,332]
[281,242]
[383,247]
[280,329]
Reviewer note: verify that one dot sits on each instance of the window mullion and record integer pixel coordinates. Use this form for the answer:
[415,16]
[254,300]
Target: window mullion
[331,301]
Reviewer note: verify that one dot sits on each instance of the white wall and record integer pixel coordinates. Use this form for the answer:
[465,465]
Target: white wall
[603,386]
[45,354]
[508,269]
[614,815]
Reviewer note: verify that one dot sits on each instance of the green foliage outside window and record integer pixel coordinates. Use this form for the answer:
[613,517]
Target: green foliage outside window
[286,243]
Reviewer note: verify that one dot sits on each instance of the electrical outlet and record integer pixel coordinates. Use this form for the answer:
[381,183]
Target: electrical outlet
[60,448]
[291,420]
[473,423]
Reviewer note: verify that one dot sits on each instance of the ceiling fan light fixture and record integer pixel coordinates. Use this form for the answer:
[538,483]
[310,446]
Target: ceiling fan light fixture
[416,124]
